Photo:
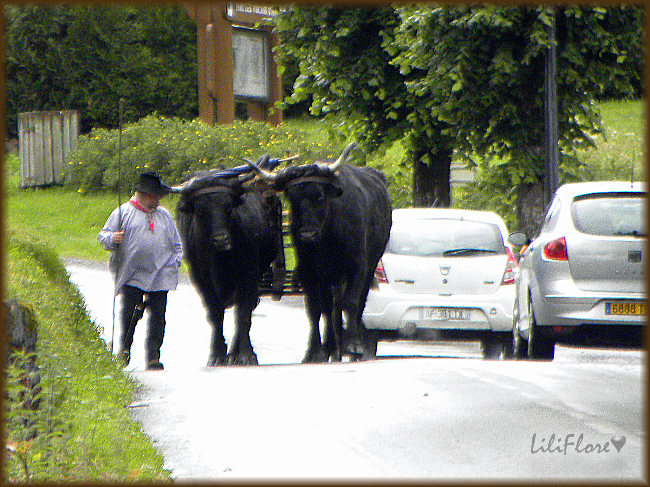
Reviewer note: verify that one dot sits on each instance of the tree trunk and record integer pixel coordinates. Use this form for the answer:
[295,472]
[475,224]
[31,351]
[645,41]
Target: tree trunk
[431,186]
[530,207]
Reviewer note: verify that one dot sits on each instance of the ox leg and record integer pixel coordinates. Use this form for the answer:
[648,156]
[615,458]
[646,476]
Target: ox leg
[241,349]
[217,340]
[363,339]
[355,299]
[333,342]
[313,306]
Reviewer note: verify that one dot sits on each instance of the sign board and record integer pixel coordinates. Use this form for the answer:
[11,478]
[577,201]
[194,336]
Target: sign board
[247,13]
[460,174]
[250,52]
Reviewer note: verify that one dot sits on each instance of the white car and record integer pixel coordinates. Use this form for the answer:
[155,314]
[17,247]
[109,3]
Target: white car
[445,274]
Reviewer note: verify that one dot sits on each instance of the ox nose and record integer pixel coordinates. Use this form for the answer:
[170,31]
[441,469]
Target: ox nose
[221,241]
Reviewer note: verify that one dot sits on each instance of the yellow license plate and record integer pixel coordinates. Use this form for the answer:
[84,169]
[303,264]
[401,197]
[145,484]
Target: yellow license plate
[633,308]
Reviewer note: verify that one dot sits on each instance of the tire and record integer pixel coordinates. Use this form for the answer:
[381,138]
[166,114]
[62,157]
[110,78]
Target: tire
[540,347]
[519,345]
[496,346]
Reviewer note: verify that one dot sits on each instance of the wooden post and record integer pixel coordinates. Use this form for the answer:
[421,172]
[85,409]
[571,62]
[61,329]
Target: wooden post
[215,64]
[276,92]
[223,66]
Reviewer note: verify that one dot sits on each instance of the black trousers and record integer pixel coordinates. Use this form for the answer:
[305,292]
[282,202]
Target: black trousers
[157,304]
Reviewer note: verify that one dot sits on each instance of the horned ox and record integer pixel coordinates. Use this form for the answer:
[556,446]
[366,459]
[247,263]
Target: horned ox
[231,233]
[340,223]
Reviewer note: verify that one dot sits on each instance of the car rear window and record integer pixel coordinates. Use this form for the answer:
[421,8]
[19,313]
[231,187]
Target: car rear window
[444,237]
[610,214]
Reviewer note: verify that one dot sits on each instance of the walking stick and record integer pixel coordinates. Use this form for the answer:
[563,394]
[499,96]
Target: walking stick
[119,209]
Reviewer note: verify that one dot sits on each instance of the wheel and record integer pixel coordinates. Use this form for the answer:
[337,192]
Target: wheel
[519,345]
[496,346]
[540,347]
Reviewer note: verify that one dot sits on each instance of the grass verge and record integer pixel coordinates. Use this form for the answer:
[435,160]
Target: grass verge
[83,429]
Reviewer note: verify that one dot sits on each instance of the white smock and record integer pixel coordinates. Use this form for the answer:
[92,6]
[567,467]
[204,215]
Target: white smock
[151,252]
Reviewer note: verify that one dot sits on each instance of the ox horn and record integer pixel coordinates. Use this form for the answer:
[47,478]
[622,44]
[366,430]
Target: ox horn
[182,188]
[243,178]
[267,176]
[338,164]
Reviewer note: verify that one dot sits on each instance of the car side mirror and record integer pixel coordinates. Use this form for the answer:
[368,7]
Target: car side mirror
[518,239]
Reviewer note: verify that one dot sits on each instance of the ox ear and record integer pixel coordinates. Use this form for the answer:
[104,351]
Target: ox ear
[333,190]
[185,204]
[237,199]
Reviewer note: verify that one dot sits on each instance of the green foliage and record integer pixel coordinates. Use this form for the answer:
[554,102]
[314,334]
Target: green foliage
[344,69]
[345,57]
[483,73]
[83,429]
[176,147]
[87,57]
[467,79]
[618,155]
[70,221]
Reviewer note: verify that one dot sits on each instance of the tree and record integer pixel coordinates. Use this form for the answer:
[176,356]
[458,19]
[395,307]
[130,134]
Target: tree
[344,58]
[88,57]
[483,75]
[464,80]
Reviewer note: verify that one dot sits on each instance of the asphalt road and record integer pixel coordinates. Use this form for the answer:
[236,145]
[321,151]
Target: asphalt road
[424,411]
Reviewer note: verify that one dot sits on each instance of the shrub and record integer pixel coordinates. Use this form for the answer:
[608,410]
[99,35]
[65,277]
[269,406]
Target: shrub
[174,148]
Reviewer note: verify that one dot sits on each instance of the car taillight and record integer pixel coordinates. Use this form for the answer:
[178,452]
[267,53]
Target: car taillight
[511,268]
[380,275]
[555,250]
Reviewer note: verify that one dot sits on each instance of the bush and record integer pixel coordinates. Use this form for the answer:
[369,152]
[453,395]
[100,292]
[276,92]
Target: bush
[174,148]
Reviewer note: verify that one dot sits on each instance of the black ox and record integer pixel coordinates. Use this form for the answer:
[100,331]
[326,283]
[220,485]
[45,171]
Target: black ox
[340,223]
[231,234]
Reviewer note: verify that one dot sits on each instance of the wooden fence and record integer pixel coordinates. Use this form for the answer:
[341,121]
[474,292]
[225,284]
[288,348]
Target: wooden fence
[45,140]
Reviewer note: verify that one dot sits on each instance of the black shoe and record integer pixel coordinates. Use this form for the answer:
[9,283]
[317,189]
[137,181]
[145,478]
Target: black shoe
[154,365]
[124,357]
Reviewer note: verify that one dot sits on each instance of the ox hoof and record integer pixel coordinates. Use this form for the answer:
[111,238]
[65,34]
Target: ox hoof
[335,356]
[354,348]
[315,357]
[216,361]
[249,359]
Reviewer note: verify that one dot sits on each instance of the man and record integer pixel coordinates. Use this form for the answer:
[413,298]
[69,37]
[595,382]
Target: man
[146,253]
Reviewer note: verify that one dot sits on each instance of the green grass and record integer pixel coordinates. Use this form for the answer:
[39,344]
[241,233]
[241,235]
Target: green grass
[622,149]
[67,221]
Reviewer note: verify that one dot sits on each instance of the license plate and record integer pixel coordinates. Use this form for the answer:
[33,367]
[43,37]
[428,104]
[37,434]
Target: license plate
[448,314]
[633,308]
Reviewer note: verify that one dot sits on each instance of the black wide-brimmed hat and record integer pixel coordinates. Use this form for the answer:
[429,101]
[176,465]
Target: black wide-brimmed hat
[150,183]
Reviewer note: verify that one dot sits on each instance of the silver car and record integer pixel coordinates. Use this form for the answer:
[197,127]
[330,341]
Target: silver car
[582,278]
[445,274]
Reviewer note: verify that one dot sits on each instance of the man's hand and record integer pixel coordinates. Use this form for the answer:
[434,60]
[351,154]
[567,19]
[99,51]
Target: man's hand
[117,237]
